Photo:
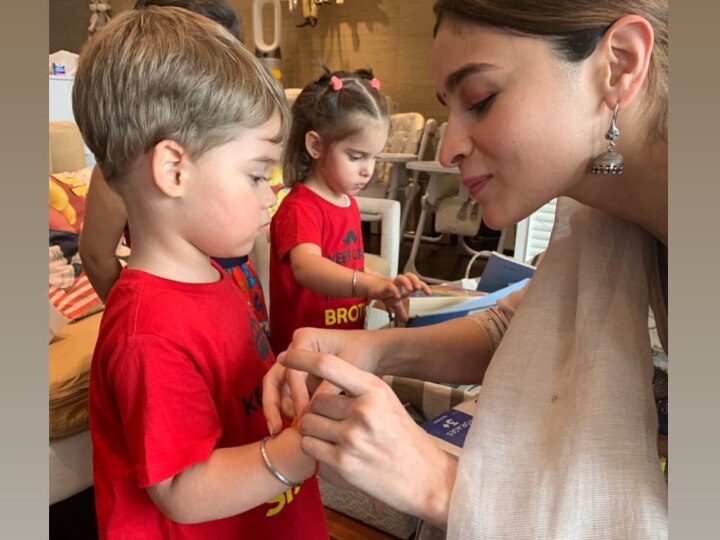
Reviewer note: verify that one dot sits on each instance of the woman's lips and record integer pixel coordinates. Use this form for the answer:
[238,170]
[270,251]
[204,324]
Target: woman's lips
[476,184]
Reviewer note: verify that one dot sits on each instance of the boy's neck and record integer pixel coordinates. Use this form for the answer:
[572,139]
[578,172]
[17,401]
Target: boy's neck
[320,187]
[165,265]
[158,248]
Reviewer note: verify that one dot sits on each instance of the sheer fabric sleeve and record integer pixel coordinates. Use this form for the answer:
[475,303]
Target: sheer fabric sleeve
[495,321]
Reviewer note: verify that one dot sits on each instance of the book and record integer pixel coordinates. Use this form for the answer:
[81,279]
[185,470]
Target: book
[419,304]
[501,271]
[472,304]
[441,296]
[450,428]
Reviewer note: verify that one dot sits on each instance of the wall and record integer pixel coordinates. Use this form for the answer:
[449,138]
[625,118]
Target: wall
[69,20]
[394,37]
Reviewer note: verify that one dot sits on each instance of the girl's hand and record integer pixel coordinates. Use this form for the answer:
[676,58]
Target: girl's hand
[367,438]
[407,283]
[392,291]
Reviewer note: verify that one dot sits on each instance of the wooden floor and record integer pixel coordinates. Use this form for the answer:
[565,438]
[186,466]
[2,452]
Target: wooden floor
[342,527]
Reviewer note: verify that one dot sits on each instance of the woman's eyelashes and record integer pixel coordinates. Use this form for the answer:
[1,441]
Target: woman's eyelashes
[480,107]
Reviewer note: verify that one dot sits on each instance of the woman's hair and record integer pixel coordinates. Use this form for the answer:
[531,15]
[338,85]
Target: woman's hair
[332,113]
[574,28]
[219,11]
[168,73]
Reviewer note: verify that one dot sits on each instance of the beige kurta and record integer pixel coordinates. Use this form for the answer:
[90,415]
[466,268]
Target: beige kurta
[563,444]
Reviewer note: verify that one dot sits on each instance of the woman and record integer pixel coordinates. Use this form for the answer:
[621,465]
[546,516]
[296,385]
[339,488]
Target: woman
[563,443]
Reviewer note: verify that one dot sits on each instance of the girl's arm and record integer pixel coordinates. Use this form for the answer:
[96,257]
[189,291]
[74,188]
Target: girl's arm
[317,273]
[105,218]
[232,481]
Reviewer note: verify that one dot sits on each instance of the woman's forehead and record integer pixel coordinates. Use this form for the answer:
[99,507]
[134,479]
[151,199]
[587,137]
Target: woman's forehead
[480,49]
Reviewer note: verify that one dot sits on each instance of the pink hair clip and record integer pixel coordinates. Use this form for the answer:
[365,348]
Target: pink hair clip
[337,83]
[375,83]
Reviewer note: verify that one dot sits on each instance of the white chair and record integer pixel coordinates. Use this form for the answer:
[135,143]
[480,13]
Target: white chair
[455,211]
[407,141]
[533,233]
[388,213]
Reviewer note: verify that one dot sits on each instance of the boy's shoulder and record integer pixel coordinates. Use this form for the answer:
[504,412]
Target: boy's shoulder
[143,302]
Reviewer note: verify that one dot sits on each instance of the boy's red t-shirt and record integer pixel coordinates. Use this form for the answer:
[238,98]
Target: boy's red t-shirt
[177,372]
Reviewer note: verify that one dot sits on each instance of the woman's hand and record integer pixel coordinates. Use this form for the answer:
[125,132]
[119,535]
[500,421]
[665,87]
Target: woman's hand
[287,392]
[369,440]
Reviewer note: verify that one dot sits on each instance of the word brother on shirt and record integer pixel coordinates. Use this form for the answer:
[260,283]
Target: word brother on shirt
[344,315]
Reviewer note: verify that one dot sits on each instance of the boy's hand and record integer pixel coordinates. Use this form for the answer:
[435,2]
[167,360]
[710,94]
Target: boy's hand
[277,400]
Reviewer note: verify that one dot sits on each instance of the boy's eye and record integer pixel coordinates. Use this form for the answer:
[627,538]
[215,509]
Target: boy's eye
[258,179]
[354,157]
[482,106]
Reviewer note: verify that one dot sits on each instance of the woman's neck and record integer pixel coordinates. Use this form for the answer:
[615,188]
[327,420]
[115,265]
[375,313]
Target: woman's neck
[639,195]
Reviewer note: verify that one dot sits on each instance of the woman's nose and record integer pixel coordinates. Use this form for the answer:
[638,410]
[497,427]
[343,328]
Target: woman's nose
[455,146]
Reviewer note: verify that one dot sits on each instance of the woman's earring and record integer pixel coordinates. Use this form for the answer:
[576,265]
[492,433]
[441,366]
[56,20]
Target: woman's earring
[610,162]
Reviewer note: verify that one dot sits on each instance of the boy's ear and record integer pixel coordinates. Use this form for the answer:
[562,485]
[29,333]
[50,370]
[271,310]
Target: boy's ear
[625,52]
[313,144]
[170,167]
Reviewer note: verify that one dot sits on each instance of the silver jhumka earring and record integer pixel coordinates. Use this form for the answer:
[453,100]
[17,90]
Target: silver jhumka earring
[610,162]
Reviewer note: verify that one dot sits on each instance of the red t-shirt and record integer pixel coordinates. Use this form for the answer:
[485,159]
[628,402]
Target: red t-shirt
[177,372]
[303,217]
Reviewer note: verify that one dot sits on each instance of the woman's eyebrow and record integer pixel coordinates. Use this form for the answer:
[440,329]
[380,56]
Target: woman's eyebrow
[456,77]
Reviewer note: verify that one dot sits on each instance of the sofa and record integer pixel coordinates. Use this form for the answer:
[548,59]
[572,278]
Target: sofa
[71,341]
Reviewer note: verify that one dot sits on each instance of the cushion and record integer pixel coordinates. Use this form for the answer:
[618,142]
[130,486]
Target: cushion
[406,130]
[67,152]
[69,376]
[67,191]
[77,301]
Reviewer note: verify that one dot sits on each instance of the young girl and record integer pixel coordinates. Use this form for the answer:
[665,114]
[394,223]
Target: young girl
[317,267]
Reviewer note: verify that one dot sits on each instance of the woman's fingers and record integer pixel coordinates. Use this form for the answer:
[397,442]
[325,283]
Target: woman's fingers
[297,384]
[326,366]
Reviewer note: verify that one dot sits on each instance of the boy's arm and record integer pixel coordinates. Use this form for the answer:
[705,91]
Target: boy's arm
[105,218]
[232,480]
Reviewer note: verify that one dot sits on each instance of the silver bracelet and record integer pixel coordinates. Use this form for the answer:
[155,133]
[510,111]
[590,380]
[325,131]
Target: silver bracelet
[354,284]
[277,474]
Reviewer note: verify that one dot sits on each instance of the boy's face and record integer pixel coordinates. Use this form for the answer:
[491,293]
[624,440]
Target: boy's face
[229,197]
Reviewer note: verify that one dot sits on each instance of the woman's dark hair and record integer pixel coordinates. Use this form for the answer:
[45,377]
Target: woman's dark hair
[573,28]
[332,113]
[219,11]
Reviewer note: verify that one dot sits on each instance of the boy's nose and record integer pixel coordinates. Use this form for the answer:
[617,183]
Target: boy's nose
[268,196]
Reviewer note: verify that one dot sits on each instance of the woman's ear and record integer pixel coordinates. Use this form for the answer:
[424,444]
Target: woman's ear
[313,144]
[626,49]
[169,167]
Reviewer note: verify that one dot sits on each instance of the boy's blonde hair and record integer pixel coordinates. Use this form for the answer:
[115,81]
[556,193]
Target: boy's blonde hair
[167,73]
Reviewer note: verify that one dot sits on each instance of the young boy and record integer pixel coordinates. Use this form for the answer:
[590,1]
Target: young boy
[186,125]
